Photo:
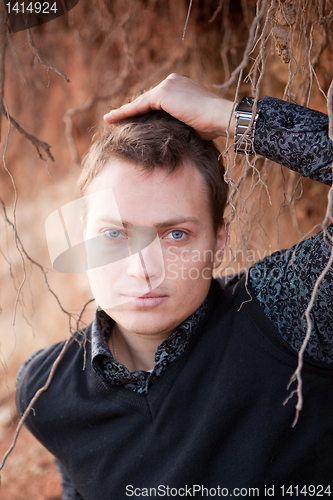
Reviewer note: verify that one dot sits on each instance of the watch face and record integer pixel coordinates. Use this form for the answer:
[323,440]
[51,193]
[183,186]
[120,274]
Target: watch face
[245,104]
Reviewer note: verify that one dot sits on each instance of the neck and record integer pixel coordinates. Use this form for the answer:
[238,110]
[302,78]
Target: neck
[136,352]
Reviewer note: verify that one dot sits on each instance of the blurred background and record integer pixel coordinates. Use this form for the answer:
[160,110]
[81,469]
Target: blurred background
[112,50]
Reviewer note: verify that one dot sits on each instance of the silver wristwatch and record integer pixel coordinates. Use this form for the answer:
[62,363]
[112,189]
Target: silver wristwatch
[244,138]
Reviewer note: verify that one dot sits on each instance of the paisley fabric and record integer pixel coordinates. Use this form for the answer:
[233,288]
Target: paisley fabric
[283,283]
[296,137]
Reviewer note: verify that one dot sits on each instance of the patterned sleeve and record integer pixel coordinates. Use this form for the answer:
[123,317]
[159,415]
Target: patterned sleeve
[297,137]
[283,283]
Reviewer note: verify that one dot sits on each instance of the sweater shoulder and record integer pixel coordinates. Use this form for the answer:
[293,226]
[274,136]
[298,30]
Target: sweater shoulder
[34,373]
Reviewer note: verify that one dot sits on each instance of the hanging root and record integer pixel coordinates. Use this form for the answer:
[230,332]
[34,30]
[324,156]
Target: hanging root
[33,401]
[282,45]
[297,375]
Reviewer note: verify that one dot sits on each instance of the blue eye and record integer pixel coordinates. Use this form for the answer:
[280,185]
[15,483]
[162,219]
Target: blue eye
[176,234]
[114,233]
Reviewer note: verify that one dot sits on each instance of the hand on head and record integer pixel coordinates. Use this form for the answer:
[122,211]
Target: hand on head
[185,99]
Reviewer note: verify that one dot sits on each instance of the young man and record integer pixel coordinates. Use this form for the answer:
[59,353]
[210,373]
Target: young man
[184,382]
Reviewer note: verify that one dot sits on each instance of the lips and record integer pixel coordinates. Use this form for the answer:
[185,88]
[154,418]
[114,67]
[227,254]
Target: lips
[149,295]
[151,299]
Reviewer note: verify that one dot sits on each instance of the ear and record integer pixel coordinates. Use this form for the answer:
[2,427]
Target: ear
[221,241]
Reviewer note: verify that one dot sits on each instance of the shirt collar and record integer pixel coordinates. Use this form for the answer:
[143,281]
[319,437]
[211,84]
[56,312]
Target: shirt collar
[113,372]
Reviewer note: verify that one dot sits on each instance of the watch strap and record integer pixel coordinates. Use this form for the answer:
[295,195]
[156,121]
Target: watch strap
[244,137]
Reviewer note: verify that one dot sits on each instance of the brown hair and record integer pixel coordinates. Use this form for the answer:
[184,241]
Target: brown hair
[158,140]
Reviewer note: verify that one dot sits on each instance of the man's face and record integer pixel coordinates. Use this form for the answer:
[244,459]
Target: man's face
[181,259]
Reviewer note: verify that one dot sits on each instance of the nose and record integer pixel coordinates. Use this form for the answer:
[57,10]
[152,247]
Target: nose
[148,264]
[136,266]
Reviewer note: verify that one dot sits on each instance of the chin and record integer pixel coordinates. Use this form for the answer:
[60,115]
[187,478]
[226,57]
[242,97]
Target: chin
[143,322]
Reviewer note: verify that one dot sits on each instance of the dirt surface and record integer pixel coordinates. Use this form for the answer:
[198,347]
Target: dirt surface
[29,473]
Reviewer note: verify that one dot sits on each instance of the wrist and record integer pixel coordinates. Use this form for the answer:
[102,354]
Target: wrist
[225,120]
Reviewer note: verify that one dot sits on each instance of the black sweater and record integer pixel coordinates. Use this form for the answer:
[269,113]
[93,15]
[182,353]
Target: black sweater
[236,434]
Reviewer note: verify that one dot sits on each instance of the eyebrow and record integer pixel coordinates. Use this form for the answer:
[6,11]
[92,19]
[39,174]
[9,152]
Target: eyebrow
[176,222]
[158,225]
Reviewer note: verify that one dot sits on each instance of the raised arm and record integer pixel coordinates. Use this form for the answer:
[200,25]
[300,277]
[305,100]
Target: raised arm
[296,137]
[292,135]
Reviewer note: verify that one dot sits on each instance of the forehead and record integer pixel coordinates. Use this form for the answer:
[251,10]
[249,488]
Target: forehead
[142,197]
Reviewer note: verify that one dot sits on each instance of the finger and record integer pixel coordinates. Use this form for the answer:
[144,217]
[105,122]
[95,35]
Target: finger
[139,106]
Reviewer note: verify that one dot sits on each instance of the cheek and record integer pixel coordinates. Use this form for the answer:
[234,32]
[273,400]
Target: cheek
[189,266]
[108,284]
